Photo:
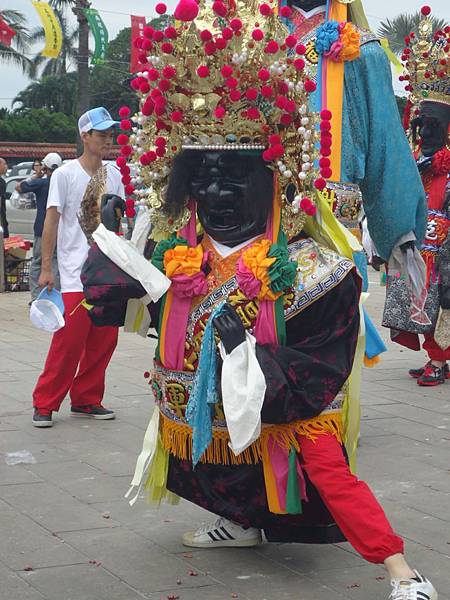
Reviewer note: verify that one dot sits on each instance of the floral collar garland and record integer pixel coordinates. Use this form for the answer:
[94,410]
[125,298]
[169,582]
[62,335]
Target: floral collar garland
[441,162]
[263,271]
[339,42]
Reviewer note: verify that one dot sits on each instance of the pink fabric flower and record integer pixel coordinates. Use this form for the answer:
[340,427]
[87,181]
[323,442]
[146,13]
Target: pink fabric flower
[247,281]
[184,286]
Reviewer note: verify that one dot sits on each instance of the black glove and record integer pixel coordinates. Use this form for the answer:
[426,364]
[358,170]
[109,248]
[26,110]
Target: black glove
[230,329]
[112,209]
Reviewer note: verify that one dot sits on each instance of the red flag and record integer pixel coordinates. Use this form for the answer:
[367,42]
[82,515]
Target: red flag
[137,28]
[6,33]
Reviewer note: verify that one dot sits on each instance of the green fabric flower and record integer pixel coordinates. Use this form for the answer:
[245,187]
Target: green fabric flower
[283,272]
[161,248]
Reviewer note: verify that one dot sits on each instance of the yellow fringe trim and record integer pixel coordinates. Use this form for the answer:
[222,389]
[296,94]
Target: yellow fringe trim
[176,438]
[371,362]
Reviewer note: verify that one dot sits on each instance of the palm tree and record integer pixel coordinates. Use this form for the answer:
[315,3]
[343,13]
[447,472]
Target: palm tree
[59,65]
[397,29]
[16,53]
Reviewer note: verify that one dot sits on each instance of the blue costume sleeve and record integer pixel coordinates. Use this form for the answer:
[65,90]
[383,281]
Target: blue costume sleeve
[32,185]
[376,154]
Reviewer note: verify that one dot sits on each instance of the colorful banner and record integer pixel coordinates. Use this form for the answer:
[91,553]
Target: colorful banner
[52,29]
[100,33]
[137,28]
[6,33]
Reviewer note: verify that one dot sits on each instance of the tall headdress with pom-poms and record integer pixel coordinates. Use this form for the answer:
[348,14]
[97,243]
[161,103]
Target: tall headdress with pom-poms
[426,62]
[227,75]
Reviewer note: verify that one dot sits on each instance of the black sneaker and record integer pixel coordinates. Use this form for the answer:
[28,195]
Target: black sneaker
[432,375]
[93,411]
[42,420]
[416,373]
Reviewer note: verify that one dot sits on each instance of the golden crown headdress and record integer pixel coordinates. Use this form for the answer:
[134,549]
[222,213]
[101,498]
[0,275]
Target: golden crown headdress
[225,75]
[426,62]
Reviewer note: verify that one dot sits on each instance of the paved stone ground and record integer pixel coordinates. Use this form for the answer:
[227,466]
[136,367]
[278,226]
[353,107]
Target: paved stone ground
[66,532]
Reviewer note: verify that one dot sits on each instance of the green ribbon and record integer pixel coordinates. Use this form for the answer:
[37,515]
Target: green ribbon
[100,33]
[293,499]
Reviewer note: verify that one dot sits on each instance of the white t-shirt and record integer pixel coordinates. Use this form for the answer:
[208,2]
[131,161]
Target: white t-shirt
[67,187]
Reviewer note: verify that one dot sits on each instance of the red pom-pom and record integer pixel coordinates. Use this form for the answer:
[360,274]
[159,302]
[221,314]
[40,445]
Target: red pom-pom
[158,36]
[301,49]
[290,106]
[205,35]
[272,47]
[324,163]
[125,125]
[210,48]
[142,59]
[266,91]
[325,151]
[121,162]
[146,375]
[231,83]
[124,112]
[265,10]
[169,72]
[129,189]
[148,107]
[167,48]
[160,142]
[126,179]
[286,119]
[153,74]
[253,114]
[283,87]
[235,95]
[268,155]
[286,12]
[171,32]
[155,93]
[236,24]
[221,43]
[227,33]
[151,155]
[227,71]
[161,8]
[291,40]
[425,10]
[257,35]
[280,102]
[176,116]
[160,151]
[274,139]
[130,213]
[144,88]
[264,75]
[122,139]
[310,86]
[277,151]
[144,160]
[320,184]
[186,10]
[299,64]
[326,172]
[146,45]
[305,204]
[220,112]
[125,170]
[203,71]
[220,9]
[251,94]
[325,126]
[325,114]
[311,210]
[164,85]
[148,32]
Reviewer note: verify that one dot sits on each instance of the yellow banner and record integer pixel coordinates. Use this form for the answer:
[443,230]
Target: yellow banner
[52,29]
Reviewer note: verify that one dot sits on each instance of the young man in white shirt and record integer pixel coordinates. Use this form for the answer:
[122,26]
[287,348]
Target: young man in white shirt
[80,352]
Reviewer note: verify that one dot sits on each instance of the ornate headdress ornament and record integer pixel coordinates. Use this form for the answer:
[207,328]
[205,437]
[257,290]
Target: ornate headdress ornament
[426,62]
[224,76]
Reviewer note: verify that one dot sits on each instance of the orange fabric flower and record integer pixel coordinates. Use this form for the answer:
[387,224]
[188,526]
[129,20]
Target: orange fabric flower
[257,261]
[351,40]
[183,260]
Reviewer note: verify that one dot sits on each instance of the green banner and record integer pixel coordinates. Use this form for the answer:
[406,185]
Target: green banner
[100,33]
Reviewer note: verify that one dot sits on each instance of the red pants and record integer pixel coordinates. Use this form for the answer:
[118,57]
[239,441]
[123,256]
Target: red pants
[349,500]
[77,360]
[435,352]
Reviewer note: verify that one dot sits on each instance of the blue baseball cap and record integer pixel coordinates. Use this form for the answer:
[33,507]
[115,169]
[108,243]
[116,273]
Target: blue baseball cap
[96,118]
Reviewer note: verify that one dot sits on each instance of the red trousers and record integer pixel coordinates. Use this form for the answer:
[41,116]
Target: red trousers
[77,360]
[435,352]
[351,503]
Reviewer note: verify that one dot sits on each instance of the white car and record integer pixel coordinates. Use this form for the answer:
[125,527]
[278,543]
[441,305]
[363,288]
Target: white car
[20,209]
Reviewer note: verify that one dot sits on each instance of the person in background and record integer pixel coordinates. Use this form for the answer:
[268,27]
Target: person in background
[39,186]
[3,220]
[80,352]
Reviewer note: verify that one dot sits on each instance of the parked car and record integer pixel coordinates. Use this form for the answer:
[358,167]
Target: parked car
[20,209]
[24,169]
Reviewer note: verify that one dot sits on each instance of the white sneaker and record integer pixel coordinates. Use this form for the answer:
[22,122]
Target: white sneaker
[418,588]
[222,534]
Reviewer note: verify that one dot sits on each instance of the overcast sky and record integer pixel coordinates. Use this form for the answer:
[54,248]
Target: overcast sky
[115,15]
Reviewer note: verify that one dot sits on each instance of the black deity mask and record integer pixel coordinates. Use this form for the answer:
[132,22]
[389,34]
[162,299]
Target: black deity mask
[306,5]
[432,127]
[233,191]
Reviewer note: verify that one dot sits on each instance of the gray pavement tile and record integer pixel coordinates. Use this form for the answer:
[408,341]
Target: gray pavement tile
[211,592]
[9,365]
[431,564]
[367,582]
[424,415]
[53,508]
[41,449]
[25,543]
[136,561]
[12,475]
[13,587]
[79,582]
[106,456]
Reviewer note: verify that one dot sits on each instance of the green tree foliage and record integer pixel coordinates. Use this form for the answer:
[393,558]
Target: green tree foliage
[37,125]
[54,93]
[16,54]
[395,30]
